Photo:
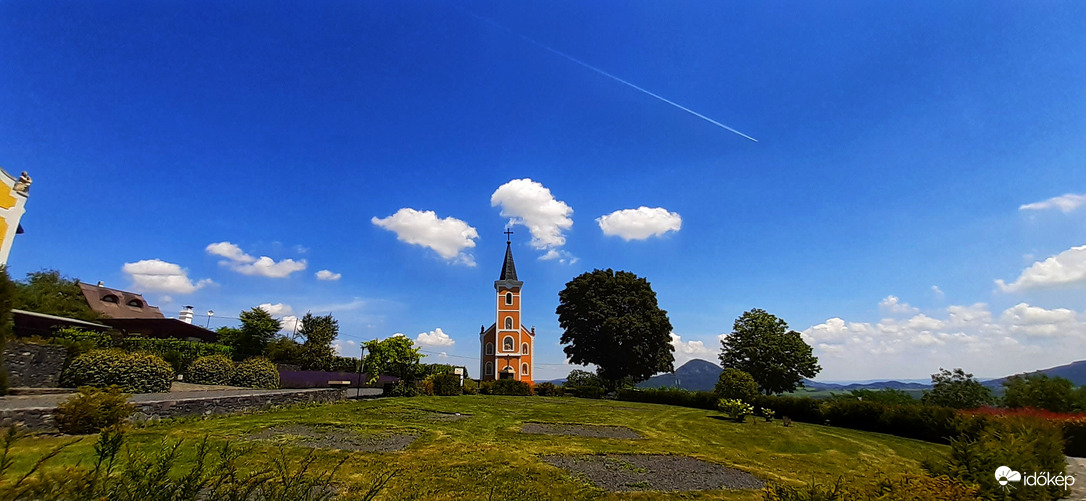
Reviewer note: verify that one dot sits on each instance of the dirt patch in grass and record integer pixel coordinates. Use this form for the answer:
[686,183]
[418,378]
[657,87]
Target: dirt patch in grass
[580,430]
[446,416]
[654,472]
[334,438]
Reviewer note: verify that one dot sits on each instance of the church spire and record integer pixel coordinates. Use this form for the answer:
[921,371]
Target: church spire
[508,278]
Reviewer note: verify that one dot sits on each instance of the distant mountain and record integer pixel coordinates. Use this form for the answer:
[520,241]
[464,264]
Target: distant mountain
[695,375]
[876,385]
[1074,372]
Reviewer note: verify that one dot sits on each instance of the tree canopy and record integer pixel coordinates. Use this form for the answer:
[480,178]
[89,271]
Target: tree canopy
[47,291]
[258,328]
[1039,391]
[611,319]
[394,356]
[319,332]
[736,384]
[957,389]
[761,345]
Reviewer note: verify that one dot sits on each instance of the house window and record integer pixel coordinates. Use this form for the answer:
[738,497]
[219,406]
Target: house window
[508,322]
[507,343]
[524,349]
[489,368]
[135,303]
[490,348]
[508,298]
[523,369]
[109,298]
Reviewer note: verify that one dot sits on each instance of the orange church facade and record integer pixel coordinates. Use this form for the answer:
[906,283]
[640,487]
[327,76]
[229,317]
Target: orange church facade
[507,347]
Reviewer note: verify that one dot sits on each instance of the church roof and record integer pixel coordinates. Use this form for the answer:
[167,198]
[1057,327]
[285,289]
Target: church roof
[509,270]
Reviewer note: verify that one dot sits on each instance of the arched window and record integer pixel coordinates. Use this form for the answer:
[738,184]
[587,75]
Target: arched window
[135,303]
[507,344]
[489,368]
[508,298]
[524,349]
[109,298]
[509,323]
[523,369]
[490,348]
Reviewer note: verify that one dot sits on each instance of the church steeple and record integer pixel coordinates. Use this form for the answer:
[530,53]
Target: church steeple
[509,270]
[506,348]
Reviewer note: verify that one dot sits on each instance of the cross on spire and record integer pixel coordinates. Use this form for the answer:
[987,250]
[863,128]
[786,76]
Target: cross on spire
[508,231]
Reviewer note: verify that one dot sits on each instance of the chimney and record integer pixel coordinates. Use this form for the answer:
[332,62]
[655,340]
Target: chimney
[186,315]
[100,283]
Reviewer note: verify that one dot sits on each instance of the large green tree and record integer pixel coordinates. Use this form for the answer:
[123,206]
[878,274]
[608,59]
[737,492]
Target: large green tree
[258,328]
[761,345]
[319,332]
[611,319]
[1039,391]
[394,356]
[47,291]
[957,389]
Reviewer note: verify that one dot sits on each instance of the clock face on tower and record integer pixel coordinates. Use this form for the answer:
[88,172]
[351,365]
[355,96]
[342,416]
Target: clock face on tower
[506,348]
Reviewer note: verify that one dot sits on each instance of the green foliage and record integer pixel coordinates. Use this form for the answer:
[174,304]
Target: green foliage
[7,298]
[179,353]
[256,372]
[48,292]
[135,372]
[93,410]
[761,345]
[957,389]
[505,387]
[888,396]
[583,391]
[885,488]
[212,369]
[671,396]
[346,364]
[802,409]
[319,332]
[79,341]
[394,356]
[210,474]
[736,384]
[734,408]
[470,387]
[281,350]
[403,388]
[446,385]
[578,377]
[612,320]
[988,442]
[767,413]
[258,328]
[548,390]
[1039,392]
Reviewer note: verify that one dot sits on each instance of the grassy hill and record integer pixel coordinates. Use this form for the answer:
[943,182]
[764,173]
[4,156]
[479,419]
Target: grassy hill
[464,457]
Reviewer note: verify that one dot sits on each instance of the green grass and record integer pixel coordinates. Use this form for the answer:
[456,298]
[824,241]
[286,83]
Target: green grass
[467,458]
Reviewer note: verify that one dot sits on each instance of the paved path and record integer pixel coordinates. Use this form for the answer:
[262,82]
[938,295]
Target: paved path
[1076,467]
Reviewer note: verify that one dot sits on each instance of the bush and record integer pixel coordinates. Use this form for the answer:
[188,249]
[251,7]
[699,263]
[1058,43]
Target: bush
[470,387]
[803,409]
[584,391]
[214,369]
[256,372]
[548,389]
[92,410]
[898,488]
[671,396]
[133,372]
[79,341]
[1074,437]
[505,387]
[735,408]
[446,385]
[486,387]
[402,388]
[182,353]
[736,384]
[426,386]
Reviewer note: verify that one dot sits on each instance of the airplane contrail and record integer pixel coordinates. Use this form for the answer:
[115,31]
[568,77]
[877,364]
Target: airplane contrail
[612,77]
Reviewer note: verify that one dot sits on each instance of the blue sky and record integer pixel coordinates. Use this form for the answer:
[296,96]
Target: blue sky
[908,157]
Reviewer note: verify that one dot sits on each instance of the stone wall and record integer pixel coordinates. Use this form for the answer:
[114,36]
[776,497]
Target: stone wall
[41,418]
[34,365]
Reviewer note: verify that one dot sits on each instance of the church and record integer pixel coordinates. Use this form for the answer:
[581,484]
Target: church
[506,347]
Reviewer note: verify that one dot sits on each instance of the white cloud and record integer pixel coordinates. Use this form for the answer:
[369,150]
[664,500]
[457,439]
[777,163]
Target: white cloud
[433,338]
[245,264]
[339,345]
[288,321]
[448,237]
[1021,338]
[938,292]
[891,304]
[328,275]
[686,351]
[160,276]
[640,223]
[1067,268]
[1065,203]
[277,309]
[559,255]
[531,204]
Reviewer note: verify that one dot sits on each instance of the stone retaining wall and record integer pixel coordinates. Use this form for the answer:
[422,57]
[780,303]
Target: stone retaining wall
[41,418]
[34,365]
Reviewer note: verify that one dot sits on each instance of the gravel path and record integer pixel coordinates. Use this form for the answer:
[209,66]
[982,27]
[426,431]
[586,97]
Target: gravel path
[580,430]
[335,438]
[1076,467]
[643,472]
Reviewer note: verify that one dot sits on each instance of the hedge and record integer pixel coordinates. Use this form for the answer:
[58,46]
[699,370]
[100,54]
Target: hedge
[256,372]
[179,353]
[505,387]
[134,372]
[214,369]
[446,384]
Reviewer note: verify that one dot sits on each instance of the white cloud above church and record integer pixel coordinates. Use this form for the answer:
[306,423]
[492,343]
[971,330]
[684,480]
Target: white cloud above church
[448,237]
[529,203]
[640,223]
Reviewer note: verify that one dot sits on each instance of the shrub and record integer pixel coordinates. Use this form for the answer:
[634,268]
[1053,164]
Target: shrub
[505,387]
[402,388]
[735,408]
[93,409]
[256,372]
[548,389]
[133,372]
[736,384]
[898,488]
[767,414]
[584,391]
[181,352]
[671,396]
[426,386]
[803,409]
[79,341]
[214,369]
[470,387]
[446,385]
[486,387]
